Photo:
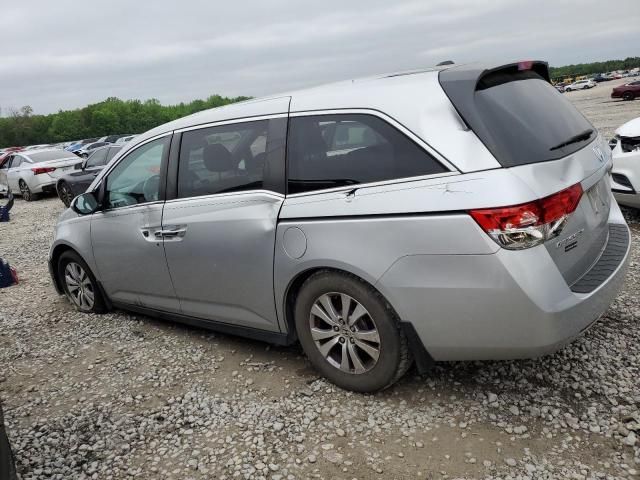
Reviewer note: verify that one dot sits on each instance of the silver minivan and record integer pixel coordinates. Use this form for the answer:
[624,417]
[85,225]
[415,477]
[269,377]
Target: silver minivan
[457,213]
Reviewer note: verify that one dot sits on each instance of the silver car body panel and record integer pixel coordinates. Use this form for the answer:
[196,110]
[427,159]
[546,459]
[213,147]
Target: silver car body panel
[627,164]
[412,238]
[231,281]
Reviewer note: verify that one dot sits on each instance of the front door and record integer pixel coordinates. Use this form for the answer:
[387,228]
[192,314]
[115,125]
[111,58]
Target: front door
[127,247]
[220,230]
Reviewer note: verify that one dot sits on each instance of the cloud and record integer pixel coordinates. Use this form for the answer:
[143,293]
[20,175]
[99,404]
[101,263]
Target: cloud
[66,54]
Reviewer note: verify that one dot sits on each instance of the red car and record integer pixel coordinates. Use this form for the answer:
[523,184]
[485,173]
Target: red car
[628,91]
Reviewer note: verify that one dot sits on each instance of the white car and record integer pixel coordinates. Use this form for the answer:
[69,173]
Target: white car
[580,85]
[626,164]
[31,172]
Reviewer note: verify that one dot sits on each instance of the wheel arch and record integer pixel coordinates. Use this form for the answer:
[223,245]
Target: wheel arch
[422,358]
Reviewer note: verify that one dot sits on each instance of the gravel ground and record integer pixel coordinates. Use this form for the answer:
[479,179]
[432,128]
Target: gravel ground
[125,396]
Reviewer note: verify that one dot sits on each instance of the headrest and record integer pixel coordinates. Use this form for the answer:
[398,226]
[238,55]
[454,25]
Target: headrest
[217,158]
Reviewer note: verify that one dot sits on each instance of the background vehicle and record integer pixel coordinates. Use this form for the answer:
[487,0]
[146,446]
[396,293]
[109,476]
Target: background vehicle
[126,139]
[580,85]
[31,172]
[76,182]
[626,164]
[628,91]
[7,465]
[362,237]
[86,150]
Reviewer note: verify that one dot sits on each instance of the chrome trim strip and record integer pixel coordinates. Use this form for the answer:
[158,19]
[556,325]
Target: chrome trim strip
[381,183]
[268,193]
[231,122]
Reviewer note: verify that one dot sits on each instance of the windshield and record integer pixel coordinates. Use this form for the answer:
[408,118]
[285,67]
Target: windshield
[49,155]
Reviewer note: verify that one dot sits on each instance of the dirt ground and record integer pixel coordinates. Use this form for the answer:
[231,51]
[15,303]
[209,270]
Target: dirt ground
[126,396]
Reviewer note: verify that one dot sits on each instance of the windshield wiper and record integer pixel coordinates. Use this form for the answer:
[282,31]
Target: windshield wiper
[575,139]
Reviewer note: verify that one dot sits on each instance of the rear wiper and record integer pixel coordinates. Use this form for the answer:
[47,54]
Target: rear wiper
[575,139]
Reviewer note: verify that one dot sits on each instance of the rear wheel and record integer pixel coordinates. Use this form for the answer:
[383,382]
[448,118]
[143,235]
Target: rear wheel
[350,333]
[79,284]
[64,193]
[25,191]
[628,96]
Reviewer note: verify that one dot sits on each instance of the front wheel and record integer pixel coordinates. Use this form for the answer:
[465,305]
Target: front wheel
[350,333]
[628,96]
[79,284]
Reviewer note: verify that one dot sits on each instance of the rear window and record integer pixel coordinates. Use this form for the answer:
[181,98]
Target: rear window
[50,155]
[520,117]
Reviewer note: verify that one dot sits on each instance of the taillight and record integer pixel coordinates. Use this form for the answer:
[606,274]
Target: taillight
[39,170]
[529,224]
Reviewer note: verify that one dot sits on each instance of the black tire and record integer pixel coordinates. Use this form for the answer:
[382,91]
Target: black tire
[7,464]
[394,356]
[64,193]
[98,305]
[628,96]
[25,191]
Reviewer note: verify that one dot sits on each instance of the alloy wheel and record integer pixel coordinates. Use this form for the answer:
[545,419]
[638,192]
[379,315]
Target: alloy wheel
[65,194]
[79,286]
[24,191]
[344,333]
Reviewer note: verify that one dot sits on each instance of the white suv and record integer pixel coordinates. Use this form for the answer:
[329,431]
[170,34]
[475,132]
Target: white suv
[580,85]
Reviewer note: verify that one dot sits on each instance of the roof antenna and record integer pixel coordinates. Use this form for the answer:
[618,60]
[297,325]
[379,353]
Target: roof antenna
[446,62]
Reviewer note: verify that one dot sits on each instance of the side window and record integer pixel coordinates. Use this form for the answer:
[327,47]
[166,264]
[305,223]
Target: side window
[16,162]
[7,163]
[97,158]
[228,158]
[326,151]
[136,178]
[111,153]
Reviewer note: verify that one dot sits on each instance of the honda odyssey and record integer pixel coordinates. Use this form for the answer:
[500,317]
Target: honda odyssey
[457,213]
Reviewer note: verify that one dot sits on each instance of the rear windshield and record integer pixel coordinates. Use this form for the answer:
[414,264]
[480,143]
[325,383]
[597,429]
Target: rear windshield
[521,118]
[51,155]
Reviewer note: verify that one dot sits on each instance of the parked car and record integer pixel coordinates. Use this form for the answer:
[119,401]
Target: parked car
[113,138]
[580,85]
[348,217]
[86,150]
[126,139]
[7,464]
[560,87]
[628,91]
[76,182]
[31,172]
[601,78]
[626,164]
[74,147]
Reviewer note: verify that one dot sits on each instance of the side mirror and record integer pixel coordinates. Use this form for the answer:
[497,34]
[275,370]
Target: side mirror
[85,204]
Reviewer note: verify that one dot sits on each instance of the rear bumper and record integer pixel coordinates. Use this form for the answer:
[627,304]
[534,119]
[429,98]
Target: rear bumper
[507,305]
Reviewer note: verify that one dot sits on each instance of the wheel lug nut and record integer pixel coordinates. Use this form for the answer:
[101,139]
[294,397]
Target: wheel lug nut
[342,340]
[352,340]
[336,328]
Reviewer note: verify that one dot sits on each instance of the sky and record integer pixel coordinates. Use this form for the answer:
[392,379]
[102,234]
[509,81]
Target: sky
[65,54]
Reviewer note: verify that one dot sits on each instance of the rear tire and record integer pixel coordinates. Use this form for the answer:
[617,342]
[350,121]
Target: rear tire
[25,191]
[628,96]
[65,194]
[350,333]
[79,284]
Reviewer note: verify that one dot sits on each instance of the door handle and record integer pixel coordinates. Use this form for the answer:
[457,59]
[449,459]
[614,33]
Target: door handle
[179,232]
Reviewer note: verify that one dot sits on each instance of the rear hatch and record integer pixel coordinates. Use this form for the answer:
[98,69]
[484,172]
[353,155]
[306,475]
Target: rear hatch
[533,130]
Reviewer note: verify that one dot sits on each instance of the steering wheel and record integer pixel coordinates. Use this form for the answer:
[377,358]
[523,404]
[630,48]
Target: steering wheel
[150,188]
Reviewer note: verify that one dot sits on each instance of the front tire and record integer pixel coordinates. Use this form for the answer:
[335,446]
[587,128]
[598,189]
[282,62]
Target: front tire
[79,284]
[628,96]
[350,333]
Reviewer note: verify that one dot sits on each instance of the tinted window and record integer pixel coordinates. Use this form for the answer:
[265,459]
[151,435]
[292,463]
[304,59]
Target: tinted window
[50,155]
[227,158]
[136,179]
[328,151]
[16,162]
[97,158]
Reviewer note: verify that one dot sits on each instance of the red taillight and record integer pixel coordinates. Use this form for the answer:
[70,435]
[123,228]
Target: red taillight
[39,170]
[529,224]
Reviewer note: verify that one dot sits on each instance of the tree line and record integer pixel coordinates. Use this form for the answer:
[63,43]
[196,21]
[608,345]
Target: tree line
[112,116]
[594,67]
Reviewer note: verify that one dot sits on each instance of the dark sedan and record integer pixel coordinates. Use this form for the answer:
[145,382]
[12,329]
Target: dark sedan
[7,466]
[76,182]
[628,91]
